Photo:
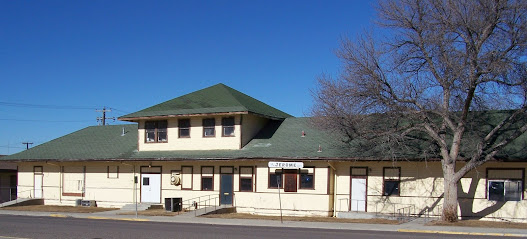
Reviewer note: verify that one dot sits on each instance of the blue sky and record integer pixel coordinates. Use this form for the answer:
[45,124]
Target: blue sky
[61,60]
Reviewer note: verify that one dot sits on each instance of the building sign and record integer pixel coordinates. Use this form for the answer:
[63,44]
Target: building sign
[288,165]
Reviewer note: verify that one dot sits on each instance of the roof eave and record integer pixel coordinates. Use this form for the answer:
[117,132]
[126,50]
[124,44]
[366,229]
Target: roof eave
[133,119]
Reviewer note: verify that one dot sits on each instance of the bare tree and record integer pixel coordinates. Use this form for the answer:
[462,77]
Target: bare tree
[440,63]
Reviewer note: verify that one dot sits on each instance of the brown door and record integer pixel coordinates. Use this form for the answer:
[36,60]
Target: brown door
[290,178]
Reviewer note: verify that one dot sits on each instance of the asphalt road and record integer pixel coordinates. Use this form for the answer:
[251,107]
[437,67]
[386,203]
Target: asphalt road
[15,227]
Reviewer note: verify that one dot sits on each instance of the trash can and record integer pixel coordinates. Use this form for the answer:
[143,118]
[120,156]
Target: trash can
[173,204]
[78,202]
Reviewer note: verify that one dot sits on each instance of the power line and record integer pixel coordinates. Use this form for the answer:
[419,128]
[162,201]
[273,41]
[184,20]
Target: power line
[122,111]
[59,107]
[9,146]
[48,121]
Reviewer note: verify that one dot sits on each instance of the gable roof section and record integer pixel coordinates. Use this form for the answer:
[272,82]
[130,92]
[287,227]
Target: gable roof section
[215,99]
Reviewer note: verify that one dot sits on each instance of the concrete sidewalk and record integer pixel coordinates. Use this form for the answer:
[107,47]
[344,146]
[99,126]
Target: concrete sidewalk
[417,226]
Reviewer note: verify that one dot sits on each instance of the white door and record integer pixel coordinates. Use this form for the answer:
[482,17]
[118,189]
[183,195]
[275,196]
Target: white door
[38,185]
[358,194]
[151,188]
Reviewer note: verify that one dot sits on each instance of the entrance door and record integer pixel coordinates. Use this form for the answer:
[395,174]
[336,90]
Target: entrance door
[226,189]
[38,178]
[38,185]
[358,194]
[151,188]
[290,178]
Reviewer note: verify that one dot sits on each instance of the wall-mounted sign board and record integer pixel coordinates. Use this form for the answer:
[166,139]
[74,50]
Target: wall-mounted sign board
[286,165]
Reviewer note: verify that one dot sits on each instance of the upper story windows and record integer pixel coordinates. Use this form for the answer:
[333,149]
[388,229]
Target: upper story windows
[184,128]
[209,127]
[196,132]
[156,131]
[227,127]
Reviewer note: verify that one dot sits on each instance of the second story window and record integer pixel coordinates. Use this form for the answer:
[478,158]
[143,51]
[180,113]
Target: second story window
[156,131]
[227,127]
[209,127]
[184,128]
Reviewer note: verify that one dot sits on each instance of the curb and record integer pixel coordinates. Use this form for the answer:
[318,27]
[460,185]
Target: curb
[119,219]
[103,218]
[463,233]
[58,215]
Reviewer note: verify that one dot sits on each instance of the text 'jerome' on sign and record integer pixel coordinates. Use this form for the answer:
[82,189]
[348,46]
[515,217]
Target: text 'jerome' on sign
[293,165]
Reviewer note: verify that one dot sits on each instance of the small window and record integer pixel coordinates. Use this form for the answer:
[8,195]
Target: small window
[209,127]
[505,190]
[228,127]
[207,178]
[391,188]
[391,181]
[206,184]
[156,131]
[276,179]
[146,181]
[306,178]
[184,128]
[246,179]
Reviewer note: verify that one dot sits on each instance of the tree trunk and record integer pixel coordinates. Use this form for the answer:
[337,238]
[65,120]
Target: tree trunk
[450,203]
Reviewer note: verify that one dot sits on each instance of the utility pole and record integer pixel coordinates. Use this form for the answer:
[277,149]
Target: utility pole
[103,118]
[27,144]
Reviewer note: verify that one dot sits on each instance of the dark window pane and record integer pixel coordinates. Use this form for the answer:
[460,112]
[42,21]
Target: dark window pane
[306,181]
[150,125]
[228,131]
[184,123]
[391,188]
[209,123]
[208,127]
[161,136]
[13,181]
[162,124]
[513,190]
[496,191]
[275,180]
[227,121]
[146,181]
[184,132]
[206,184]
[184,128]
[246,184]
[150,136]
[208,132]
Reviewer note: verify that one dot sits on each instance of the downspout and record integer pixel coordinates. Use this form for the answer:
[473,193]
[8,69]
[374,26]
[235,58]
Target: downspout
[133,180]
[60,180]
[334,189]
[134,188]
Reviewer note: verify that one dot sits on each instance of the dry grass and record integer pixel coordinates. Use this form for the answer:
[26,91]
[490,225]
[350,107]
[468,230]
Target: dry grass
[302,219]
[50,208]
[477,223]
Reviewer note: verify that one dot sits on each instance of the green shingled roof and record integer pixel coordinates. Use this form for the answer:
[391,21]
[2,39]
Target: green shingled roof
[95,142]
[215,99]
[277,140]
